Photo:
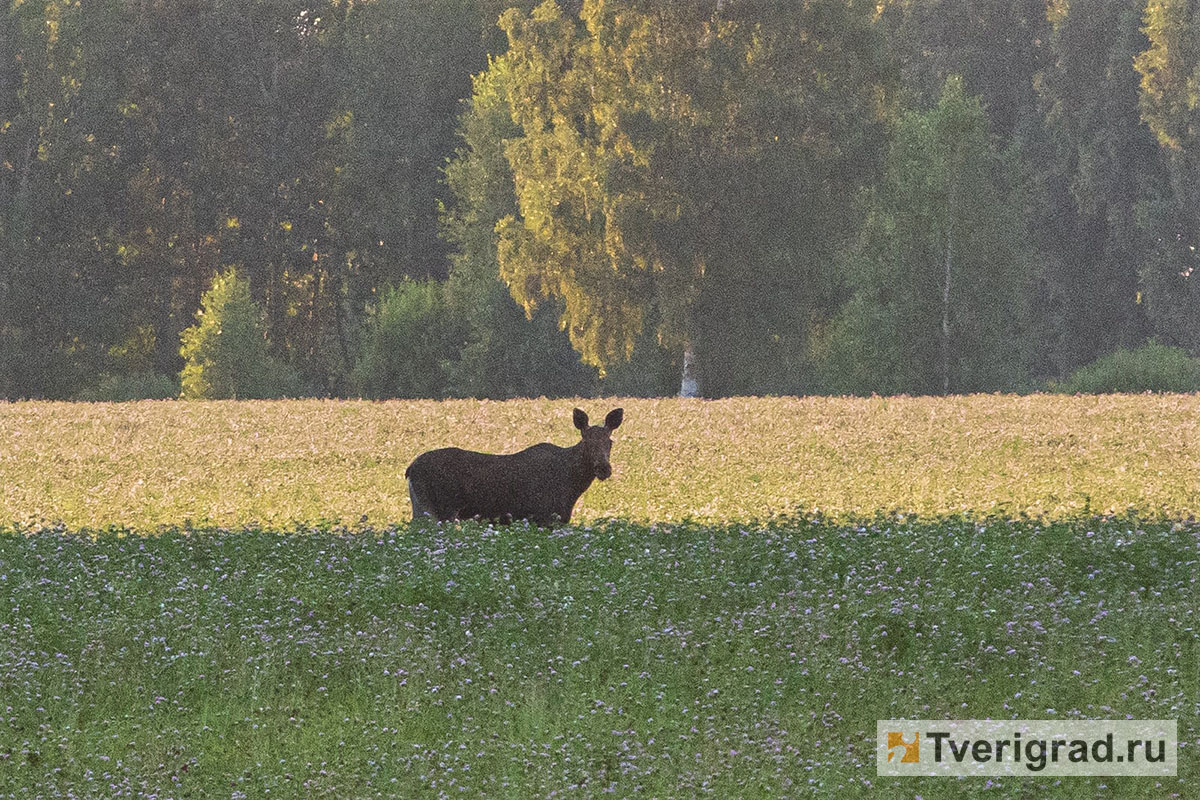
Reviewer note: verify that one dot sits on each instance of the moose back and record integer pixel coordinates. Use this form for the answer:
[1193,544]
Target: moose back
[541,483]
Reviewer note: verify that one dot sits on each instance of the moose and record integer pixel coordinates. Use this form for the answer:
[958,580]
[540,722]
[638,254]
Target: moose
[540,483]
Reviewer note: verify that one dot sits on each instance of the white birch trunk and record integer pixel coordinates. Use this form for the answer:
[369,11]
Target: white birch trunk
[690,385]
[946,314]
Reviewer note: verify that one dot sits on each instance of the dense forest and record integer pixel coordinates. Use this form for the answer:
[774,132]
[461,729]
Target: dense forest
[407,198]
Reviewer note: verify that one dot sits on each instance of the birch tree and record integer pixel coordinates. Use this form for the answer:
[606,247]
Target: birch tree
[940,271]
[682,170]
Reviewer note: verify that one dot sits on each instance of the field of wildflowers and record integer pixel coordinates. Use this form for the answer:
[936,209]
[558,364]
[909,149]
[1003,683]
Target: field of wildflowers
[664,660]
[668,645]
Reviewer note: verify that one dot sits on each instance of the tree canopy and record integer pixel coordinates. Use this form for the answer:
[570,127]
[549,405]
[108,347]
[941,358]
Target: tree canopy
[826,196]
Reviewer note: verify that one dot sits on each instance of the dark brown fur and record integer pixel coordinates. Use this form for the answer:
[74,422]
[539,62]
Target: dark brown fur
[541,483]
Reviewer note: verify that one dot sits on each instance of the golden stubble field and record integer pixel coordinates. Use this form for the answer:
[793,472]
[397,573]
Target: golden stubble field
[153,464]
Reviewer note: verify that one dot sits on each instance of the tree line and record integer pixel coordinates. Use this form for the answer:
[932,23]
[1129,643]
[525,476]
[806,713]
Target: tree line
[494,198]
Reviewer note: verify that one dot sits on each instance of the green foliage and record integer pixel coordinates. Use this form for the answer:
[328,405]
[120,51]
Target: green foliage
[505,353]
[651,371]
[408,66]
[1153,367]
[1170,103]
[567,245]
[1089,170]
[132,386]
[226,353]
[407,342]
[303,144]
[642,177]
[1170,273]
[939,274]
[1170,83]
[646,137]
[1170,279]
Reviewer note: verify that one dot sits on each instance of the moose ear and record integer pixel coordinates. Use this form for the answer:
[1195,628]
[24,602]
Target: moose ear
[613,420]
[581,419]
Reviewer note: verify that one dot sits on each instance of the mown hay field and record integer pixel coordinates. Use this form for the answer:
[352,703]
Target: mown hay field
[157,464]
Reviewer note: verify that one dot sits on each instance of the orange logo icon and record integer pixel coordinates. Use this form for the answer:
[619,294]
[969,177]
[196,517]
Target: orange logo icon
[912,750]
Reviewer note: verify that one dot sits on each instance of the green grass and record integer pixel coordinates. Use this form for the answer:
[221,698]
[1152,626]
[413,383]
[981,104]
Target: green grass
[666,660]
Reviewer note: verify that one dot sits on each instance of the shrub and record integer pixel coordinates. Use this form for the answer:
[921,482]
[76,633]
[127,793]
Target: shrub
[1151,368]
[409,340]
[132,386]
[225,353]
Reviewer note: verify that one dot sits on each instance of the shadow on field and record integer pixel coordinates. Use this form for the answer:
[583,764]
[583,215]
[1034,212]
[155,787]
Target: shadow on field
[683,658]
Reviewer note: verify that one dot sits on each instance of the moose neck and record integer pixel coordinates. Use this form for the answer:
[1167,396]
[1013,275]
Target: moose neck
[580,471]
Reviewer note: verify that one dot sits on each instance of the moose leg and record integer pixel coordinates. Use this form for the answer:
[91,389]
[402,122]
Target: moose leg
[421,507]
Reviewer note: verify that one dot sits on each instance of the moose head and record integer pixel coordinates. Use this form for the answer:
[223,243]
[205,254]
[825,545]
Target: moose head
[597,441]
